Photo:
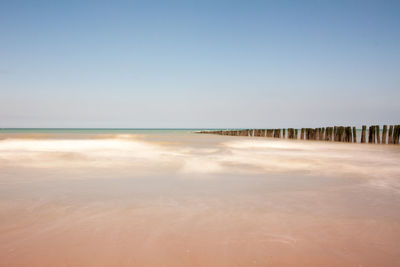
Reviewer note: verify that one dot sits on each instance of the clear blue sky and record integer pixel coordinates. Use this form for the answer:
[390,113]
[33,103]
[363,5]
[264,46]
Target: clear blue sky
[199,63]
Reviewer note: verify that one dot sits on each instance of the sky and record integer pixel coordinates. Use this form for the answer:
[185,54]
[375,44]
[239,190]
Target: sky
[199,64]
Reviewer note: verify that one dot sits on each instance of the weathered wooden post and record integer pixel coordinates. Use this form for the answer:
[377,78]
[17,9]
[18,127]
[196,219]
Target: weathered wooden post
[354,134]
[349,136]
[344,134]
[378,134]
[302,134]
[384,134]
[390,137]
[296,132]
[371,136]
[363,134]
[396,134]
[338,135]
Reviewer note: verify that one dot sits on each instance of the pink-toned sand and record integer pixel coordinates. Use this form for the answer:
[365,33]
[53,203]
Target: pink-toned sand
[196,200]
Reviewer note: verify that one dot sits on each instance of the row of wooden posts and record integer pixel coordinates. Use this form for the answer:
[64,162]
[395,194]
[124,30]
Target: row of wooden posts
[337,133]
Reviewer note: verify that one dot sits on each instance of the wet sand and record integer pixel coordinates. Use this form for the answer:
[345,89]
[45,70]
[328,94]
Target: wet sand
[187,199]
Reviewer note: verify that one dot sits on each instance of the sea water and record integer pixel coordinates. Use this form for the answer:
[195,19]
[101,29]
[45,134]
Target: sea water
[173,197]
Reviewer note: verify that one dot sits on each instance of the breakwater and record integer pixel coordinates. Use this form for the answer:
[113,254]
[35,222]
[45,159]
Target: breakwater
[372,135]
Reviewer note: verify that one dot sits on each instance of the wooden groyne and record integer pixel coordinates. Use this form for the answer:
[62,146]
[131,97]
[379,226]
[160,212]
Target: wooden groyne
[346,134]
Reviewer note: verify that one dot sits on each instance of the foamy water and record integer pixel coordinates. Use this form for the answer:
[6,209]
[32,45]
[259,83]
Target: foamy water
[183,199]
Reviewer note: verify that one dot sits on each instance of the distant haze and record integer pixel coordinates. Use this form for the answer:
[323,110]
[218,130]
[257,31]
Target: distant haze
[199,63]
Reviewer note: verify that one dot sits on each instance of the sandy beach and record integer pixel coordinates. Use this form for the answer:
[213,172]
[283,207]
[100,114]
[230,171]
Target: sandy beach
[184,199]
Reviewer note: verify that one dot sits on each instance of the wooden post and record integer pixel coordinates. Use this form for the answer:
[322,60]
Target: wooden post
[371,136]
[344,134]
[302,134]
[363,134]
[378,134]
[283,133]
[384,134]
[390,137]
[354,134]
[396,134]
[338,135]
[296,131]
[349,136]
[327,133]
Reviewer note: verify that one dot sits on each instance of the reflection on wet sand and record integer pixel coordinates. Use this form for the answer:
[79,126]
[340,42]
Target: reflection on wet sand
[196,200]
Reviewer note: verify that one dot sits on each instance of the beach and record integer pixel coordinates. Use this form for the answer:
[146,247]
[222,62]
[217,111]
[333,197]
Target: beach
[179,198]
